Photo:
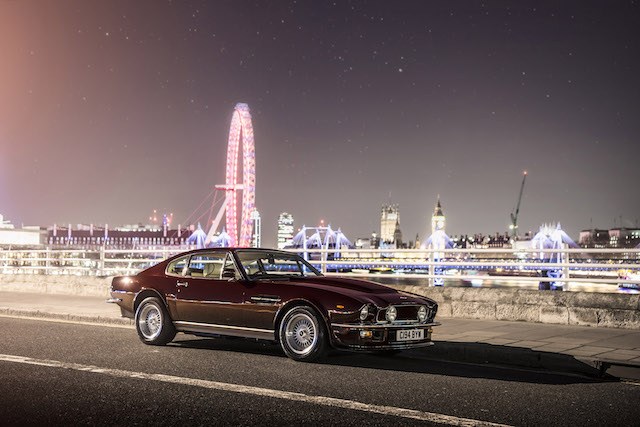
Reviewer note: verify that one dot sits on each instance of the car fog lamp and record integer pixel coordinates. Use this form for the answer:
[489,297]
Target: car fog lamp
[392,313]
[364,312]
[422,313]
[366,334]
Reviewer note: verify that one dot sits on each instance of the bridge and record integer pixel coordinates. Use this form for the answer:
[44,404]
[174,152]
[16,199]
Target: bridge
[595,270]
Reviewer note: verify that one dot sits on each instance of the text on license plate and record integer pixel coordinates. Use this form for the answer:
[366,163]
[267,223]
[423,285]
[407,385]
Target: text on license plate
[410,335]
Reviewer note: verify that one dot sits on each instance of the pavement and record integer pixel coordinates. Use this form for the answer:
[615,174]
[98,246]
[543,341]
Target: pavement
[597,352]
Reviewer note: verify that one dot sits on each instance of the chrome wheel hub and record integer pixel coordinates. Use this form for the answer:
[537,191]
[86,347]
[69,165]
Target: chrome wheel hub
[300,333]
[150,321]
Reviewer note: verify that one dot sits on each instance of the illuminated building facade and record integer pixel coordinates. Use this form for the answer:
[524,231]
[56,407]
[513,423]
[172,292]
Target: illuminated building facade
[285,230]
[25,236]
[624,237]
[389,217]
[612,238]
[256,239]
[141,237]
[594,238]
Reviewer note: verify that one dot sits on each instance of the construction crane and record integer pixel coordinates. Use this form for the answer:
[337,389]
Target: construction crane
[514,215]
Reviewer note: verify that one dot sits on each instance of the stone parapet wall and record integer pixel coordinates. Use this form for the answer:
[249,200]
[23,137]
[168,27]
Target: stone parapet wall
[56,284]
[556,307]
[563,308]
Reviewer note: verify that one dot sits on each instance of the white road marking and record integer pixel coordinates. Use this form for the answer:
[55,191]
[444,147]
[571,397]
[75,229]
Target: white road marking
[75,322]
[258,391]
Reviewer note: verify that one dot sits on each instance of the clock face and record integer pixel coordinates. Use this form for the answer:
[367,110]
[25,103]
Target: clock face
[440,224]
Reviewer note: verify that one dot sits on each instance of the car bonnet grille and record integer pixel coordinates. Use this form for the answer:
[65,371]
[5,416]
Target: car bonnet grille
[406,314]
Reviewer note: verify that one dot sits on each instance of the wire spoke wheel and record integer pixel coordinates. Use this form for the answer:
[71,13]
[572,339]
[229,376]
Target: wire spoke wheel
[153,323]
[302,334]
[150,321]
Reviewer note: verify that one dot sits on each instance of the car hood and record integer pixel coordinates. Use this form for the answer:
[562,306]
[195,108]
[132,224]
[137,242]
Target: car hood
[362,290]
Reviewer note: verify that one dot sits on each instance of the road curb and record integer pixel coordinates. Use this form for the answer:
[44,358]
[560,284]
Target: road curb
[12,312]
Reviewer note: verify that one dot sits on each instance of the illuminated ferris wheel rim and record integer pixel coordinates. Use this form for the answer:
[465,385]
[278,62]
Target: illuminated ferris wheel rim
[241,128]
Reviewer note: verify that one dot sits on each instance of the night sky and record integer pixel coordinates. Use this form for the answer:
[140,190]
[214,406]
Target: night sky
[110,109]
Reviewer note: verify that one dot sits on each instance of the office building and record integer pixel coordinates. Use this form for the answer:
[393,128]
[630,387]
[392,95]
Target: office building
[256,237]
[285,230]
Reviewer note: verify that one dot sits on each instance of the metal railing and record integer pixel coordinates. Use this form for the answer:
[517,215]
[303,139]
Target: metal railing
[84,262]
[578,269]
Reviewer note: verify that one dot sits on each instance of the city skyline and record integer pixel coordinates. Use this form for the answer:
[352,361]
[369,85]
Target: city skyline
[113,109]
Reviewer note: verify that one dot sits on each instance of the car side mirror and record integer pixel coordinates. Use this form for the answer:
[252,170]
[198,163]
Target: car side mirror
[229,274]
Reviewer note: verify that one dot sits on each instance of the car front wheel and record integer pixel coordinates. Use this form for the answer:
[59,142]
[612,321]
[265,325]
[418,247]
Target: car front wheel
[153,323]
[302,334]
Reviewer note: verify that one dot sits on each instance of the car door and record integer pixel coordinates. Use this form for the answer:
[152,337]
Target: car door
[262,300]
[264,296]
[203,296]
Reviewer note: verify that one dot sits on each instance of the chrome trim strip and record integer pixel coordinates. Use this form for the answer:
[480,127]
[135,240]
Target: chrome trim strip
[210,328]
[114,300]
[405,321]
[386,326]
[268,300]
[395,346]
[195,301]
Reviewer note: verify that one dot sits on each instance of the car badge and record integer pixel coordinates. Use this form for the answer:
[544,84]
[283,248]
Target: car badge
[403,297]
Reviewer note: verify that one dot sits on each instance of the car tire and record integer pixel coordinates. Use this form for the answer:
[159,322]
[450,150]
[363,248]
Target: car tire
[153,324]
[302,334]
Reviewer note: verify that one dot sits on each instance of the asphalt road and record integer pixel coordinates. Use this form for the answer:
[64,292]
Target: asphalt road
[61,373]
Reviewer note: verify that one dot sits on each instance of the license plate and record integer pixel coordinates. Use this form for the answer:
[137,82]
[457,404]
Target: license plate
[410,335]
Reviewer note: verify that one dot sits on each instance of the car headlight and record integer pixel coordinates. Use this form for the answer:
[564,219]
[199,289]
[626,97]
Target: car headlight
[364,312]
[392,313]
[422,313]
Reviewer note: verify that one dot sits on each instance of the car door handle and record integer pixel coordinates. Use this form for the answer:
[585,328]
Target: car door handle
[184,284]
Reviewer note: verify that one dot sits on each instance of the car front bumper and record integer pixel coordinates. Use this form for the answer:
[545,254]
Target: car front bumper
[364,337]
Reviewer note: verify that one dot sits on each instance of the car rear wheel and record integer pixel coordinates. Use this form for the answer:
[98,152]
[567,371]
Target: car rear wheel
[153,323]
[302,334]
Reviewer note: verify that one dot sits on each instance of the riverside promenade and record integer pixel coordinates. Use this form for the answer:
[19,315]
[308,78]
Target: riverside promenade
[583,350]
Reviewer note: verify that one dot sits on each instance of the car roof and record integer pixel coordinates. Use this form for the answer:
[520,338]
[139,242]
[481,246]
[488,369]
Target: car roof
[233,249]
[239,249]
[221,249]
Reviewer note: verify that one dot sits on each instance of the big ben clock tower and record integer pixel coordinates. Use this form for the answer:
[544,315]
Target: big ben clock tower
[438,219]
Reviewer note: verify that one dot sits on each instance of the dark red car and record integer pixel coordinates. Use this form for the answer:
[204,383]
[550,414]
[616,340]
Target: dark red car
[273,295]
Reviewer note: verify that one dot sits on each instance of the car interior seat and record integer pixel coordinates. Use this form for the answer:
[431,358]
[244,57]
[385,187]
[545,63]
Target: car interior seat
[212,270]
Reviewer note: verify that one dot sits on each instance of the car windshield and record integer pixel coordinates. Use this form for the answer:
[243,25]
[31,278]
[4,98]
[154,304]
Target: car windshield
[266,264]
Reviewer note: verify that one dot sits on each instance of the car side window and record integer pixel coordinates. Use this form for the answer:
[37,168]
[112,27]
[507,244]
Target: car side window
[208,265]
[278,266]
[230,268]
[176,267]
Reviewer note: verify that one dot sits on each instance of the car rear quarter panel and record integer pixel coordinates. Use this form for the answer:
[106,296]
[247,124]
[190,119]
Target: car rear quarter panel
[133,289]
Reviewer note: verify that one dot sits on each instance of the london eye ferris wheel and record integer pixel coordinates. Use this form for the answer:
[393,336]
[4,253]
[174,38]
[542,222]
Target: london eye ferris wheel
[240,137]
